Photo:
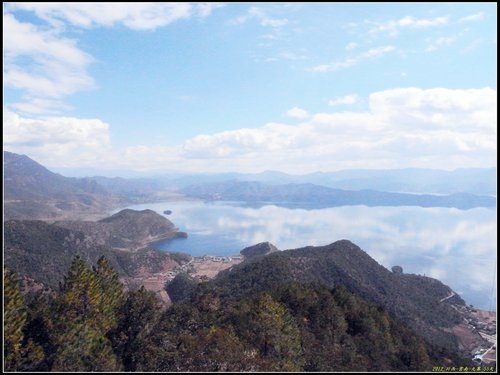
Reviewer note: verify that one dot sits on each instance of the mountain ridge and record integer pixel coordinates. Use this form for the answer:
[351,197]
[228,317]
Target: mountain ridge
[31,191]
[408,297]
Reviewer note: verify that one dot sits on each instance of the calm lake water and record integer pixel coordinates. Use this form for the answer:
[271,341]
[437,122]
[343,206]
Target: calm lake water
[455,246]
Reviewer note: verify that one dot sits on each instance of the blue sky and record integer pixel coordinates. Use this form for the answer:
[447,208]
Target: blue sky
[212,87]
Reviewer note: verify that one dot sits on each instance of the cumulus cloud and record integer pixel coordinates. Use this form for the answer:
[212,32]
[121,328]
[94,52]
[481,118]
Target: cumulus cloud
[343,100]
[297,112]
[351,61]
[62,141]
[403,127]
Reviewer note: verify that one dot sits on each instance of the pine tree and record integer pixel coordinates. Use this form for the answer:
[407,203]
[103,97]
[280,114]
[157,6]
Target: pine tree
[14,320]
[84,348]
[19,354]
[86,312]
[136,318]
[276,335]
[110,296]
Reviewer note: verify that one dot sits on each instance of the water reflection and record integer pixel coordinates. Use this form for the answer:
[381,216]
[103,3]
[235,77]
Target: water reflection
[455,246]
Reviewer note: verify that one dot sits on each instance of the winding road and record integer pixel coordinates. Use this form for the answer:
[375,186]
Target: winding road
[445,298]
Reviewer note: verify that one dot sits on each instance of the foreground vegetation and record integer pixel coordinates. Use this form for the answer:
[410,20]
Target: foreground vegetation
[90,324]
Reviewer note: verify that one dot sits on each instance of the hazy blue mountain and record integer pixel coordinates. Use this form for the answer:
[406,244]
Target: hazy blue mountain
[480,181]
[416,180]
[322,196]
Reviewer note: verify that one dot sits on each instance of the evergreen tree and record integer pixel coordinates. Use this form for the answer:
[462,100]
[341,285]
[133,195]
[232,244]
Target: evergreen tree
[135,320]
[19,354]
[86,310]
[274,332]
[84,348]
[110,296]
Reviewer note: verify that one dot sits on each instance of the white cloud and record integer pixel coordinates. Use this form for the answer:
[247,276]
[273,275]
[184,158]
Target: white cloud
[341,100]
[467,110]
[376,52]
[403,127]
[351,61]
[205,9]
[40,106]
[56,67]
[46,66]
[472,17]
[392,27]
[296,112]
[138,16]
[63,141]
[284,55]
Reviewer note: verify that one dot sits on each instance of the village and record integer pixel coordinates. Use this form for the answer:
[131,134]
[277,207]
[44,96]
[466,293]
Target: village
[477,334]
[202,268]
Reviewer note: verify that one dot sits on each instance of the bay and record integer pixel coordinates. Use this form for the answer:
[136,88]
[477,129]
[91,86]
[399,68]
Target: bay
[455,246]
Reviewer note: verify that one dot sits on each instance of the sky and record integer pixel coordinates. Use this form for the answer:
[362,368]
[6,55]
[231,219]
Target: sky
[247,87]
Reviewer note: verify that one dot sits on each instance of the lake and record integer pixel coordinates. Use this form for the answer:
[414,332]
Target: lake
[455,246]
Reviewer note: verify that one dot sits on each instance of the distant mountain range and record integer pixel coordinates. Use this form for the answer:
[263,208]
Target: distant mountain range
[34,192]
[481,181]
[315,196]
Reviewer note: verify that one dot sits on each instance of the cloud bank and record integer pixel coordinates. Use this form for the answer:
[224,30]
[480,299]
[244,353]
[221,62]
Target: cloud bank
[403,127]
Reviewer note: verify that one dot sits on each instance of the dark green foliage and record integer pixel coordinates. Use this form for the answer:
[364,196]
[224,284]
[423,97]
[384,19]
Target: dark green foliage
[181,288]
[111,297]
[410,298]
[68,330]
[83,347]
[313,309]
[254,275]
[20,352]
[294,327]
[87,307]
[44,252]
[136,317]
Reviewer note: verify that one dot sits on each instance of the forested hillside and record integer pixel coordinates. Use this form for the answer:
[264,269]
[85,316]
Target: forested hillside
[91,325]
